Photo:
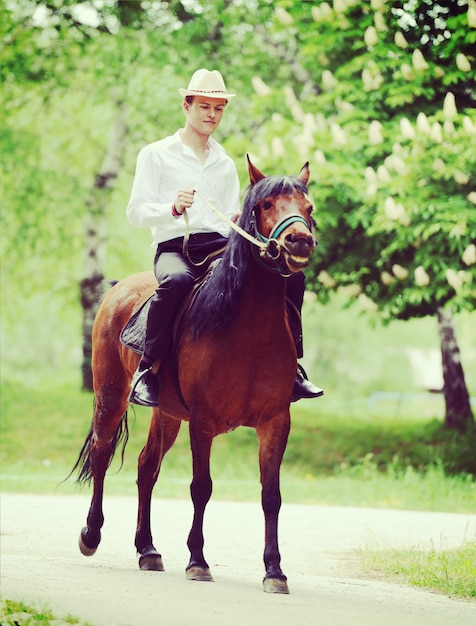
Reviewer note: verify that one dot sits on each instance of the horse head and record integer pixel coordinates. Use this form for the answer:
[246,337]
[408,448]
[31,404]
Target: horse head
[282,218]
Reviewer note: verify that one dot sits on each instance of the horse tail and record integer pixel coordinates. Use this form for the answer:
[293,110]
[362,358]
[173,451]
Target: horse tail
[83,463]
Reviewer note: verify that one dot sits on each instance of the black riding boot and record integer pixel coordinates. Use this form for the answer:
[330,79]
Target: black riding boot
[145,387]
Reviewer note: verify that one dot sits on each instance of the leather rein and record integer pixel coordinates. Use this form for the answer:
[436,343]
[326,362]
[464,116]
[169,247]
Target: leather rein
[269,248]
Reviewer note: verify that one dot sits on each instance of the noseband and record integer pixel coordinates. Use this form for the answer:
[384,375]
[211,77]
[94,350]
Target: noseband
[273,250]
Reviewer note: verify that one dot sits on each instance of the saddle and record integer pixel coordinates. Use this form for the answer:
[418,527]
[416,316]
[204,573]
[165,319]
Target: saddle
[133,334]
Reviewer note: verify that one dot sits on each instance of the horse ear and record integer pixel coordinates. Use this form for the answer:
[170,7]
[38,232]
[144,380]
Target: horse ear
[255,174]
[304,173]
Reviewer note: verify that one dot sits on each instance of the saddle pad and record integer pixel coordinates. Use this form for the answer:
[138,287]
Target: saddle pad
[133,333]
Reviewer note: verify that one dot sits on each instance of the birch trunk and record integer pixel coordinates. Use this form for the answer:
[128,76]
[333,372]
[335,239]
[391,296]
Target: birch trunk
[95,237]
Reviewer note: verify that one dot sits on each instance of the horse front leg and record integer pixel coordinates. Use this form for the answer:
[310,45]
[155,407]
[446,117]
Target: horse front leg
[162,434]
[273,437]
[200,491]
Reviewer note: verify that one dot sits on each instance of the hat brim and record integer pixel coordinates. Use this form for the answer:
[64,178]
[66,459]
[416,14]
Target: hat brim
[215,95]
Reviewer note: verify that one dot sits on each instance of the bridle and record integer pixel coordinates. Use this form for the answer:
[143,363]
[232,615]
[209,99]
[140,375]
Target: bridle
[273,250]
[266,248]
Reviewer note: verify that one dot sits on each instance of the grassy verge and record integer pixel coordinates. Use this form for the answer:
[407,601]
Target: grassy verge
[452,572]
[349,458]
[13,613]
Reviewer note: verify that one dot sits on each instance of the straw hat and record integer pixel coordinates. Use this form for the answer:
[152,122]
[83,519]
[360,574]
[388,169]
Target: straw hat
[208,84]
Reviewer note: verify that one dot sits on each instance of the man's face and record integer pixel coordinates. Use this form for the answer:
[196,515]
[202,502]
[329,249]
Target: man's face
[204,114]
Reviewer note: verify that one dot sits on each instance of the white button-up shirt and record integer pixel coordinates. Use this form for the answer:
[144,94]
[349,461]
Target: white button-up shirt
[166,166]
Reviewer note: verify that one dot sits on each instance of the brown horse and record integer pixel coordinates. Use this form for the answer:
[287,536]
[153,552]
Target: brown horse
[234,365]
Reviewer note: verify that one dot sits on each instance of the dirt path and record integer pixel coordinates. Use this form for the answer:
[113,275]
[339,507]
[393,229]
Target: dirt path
[41,563]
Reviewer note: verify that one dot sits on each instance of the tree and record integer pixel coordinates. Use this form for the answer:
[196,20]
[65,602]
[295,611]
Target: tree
[396,154]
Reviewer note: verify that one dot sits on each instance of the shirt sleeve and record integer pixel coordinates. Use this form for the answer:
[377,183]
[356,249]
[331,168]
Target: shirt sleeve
[144,209]
[233,205]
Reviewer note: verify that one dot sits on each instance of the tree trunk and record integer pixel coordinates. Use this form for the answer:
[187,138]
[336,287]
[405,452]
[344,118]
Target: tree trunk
[458,414]
[95,237]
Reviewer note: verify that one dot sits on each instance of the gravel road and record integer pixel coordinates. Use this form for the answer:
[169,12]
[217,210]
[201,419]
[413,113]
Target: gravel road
[41,563]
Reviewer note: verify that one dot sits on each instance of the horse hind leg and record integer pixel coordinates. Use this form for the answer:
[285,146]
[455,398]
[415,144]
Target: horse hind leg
[162,434]
[108,430]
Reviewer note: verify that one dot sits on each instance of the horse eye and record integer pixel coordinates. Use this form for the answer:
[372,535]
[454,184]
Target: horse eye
[266,205]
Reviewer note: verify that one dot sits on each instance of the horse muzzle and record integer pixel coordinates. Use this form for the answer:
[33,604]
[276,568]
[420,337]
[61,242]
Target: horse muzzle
[297,250]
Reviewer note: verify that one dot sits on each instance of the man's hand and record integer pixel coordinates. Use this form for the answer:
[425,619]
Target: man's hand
[184,200]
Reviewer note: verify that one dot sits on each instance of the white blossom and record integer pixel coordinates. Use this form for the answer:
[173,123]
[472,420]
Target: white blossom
[371,36]
[418,60]
[439,165]
[329,81]
[338,134]
[293,104]
[367,304]
[320,157]
[423,123]
[449,105]
[469,255]
[351,291]
[421,277]
[472,15]
[407,71]
[462,62]
[400,272]
[383,174]
[379,22]
[454,279]
[277,147]
[436,133]
[367,79]
[461,177]
[468,125]
[370,174]
[340,6]
[400,40]
[387,278]
[471,197]
[406,128]
[321,11]
[448,127]
[260,87]
[283,16]
[326,279]
[375,132]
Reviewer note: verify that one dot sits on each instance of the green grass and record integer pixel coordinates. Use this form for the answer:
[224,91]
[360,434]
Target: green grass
[14,613]
[356,459]
[451,572]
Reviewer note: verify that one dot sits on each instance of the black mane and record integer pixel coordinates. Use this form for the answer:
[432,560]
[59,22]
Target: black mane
[217,301]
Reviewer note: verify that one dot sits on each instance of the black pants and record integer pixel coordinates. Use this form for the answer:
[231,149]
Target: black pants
[176,275]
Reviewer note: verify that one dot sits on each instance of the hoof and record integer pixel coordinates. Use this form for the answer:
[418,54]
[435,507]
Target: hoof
[275,585]
[84,548]
[151,562]
[198,573]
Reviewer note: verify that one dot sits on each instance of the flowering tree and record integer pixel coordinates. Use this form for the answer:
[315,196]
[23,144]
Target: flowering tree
[392,129]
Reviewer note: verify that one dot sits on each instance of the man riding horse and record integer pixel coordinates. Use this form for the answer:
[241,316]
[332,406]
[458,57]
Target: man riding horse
[163,199]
